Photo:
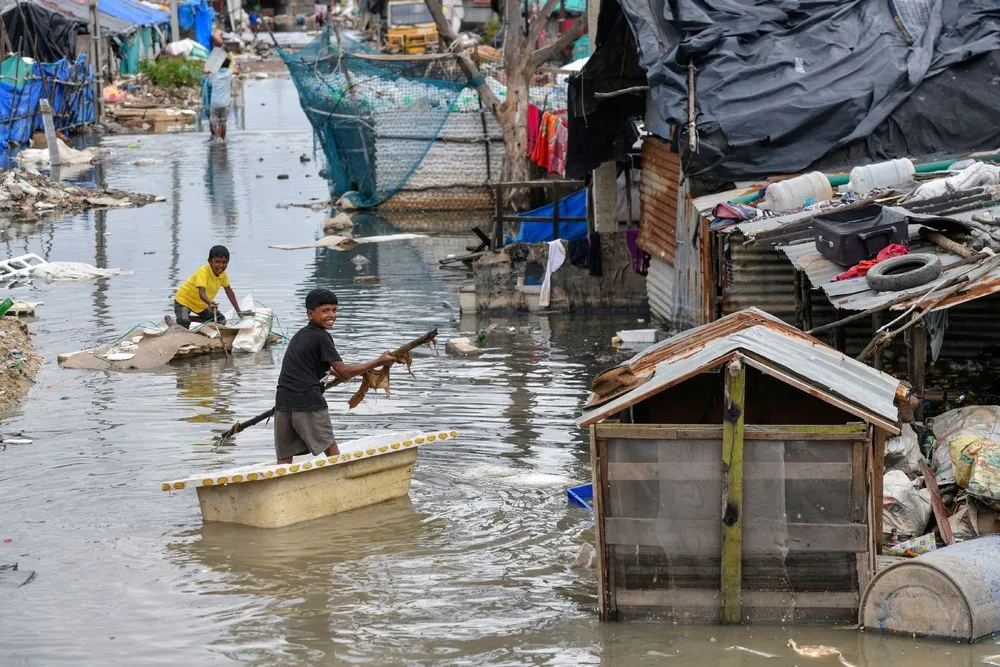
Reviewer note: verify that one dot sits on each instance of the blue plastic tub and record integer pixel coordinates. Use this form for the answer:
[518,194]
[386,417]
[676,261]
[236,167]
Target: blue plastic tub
[581,495]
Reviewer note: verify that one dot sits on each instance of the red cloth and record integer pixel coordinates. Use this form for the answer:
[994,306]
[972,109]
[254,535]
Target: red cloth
[534,120]
[862,268]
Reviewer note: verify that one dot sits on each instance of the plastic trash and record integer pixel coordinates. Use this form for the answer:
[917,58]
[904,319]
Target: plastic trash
[880,175]
[5,306]
[796,192]
[977,174]
[976,461]
[904,508]
[913,547]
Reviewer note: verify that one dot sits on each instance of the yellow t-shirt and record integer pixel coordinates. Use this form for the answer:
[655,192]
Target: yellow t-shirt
[187,294]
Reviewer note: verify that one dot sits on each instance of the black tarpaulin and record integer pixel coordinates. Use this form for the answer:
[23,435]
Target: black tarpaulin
[783,85]
[32,28]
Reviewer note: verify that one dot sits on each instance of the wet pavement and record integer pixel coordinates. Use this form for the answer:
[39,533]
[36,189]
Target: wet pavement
[472,568]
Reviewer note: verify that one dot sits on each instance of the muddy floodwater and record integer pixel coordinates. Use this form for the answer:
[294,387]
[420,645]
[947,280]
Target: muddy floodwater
[473,568]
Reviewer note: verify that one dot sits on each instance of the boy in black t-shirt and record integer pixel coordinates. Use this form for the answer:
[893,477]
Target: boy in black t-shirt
[301,417]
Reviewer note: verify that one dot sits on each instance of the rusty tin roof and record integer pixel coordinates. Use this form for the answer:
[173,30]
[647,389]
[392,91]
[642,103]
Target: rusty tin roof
[773,347]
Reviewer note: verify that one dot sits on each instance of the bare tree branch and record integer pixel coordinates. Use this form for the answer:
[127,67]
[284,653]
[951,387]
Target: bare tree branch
[546,53]
[468,67]
[538,24]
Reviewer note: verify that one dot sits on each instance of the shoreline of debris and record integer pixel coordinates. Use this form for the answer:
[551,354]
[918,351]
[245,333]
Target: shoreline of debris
[29,195]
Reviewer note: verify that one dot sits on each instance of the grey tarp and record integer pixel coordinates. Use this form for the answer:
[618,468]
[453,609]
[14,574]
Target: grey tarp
[781,83]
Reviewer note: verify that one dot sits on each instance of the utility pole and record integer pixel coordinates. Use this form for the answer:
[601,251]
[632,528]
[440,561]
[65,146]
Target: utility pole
[96,61]
[605,181]
[175,29]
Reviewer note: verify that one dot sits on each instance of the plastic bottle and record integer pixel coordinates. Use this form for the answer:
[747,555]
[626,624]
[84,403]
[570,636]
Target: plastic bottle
[5,306]
[793,193]
[881,175]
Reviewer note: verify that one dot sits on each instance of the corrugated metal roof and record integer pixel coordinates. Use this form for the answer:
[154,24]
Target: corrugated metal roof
[854,295]
[658,199]
[660,285]
[870,393]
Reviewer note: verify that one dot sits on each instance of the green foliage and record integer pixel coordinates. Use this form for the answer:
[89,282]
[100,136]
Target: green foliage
[173,71]
[490,29]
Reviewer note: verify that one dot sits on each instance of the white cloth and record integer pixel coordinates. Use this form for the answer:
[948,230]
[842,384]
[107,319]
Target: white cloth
[557,255]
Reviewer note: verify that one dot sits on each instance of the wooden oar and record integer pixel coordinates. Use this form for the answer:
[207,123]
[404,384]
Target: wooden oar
[401,352]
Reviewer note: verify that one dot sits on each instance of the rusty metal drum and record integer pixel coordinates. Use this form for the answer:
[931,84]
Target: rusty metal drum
[951,593]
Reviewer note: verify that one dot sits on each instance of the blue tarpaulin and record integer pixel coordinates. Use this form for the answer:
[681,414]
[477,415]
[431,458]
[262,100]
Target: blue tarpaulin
[71,105]
[134,12]
[570,206]
[201,16]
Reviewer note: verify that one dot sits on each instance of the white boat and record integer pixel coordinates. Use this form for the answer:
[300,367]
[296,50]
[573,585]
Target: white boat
[270,495]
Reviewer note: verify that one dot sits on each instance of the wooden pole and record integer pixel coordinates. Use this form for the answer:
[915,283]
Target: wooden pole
[916,361]
[732,515]
[598,480]
[175,30]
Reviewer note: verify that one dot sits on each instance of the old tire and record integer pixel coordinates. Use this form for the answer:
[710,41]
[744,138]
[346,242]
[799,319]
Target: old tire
[900,273]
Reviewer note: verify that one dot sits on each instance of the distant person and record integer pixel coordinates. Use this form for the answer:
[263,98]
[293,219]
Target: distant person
[320,11]
[195,299]
[254,18]
[302,418]
[216,98]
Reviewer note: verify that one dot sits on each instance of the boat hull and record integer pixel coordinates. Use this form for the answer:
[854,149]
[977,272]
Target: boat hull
[286,500]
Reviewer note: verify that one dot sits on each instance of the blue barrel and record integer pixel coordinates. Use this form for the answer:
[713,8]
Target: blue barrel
[951,593]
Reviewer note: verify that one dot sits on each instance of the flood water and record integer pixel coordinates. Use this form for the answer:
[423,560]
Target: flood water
[472,568]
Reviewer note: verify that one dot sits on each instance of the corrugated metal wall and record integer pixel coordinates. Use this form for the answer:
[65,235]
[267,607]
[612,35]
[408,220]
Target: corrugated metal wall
[760,277]
[660,290]
[658,200]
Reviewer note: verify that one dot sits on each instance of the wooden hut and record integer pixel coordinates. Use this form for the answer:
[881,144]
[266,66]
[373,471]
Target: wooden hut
[737,473]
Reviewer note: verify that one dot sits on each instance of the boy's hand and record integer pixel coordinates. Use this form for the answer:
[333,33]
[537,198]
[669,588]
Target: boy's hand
[385,359]
[213,305]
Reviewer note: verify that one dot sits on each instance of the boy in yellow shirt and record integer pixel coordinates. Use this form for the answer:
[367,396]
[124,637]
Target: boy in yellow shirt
[195,299]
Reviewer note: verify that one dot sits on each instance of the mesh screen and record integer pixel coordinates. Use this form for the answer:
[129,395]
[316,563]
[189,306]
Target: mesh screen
[664,520]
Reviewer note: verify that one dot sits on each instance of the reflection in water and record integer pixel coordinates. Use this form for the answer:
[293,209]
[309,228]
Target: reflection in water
[220,190]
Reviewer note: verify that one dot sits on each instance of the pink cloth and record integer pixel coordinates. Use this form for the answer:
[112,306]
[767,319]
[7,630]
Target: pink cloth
[557,156]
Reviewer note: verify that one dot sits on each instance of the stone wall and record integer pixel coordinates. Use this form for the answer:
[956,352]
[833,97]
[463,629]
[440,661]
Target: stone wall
[617,289]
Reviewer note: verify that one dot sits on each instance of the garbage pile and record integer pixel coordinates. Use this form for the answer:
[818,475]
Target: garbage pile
[26,195]
[19,365]
[952,463]
[139,92]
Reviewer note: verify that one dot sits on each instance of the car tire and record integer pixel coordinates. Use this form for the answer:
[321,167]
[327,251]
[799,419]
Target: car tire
[904,272]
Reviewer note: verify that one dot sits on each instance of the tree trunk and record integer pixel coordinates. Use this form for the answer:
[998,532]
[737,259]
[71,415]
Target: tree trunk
[516,164]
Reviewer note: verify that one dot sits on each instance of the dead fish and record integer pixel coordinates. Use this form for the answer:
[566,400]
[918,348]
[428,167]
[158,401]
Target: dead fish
[751,651]
[818,652]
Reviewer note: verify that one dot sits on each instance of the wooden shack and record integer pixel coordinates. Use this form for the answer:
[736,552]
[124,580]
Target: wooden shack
[737,473]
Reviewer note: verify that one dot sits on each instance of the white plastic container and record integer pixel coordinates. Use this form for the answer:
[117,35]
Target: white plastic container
[794,193]
[881,175]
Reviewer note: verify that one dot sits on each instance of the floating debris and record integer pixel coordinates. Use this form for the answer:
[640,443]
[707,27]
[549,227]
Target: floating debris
[27,194]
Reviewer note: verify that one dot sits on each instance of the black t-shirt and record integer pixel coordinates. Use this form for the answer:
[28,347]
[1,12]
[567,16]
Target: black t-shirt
[307,360]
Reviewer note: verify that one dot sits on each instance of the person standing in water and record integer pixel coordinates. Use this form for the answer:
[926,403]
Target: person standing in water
[216,98]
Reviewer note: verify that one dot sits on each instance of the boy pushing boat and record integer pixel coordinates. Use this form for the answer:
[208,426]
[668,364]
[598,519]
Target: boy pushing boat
[302,418]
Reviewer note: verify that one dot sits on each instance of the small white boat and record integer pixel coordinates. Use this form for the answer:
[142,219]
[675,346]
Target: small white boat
[269,495]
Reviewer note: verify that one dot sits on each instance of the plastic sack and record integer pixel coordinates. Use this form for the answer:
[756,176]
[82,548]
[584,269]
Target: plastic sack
[975,175]
[904,508]
[976,462]
[903,451]
[979,420]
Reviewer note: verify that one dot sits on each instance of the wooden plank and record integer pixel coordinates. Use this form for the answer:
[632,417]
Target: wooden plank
[694,537]
[732,465]
[940,513]
[794,381]
[832,432]
[852,431]
[659,431]
[695,471]
[878,471]
[858,482]
[610,553]
[602,565]
[700,597]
